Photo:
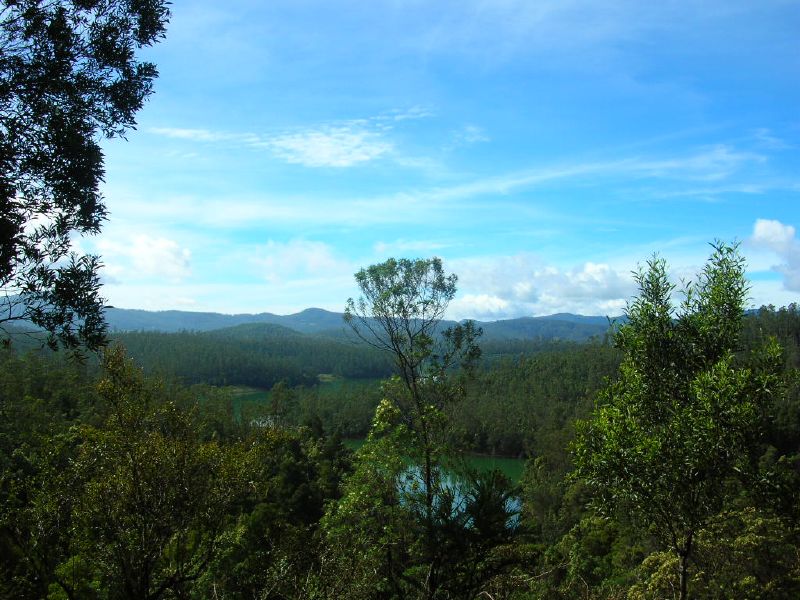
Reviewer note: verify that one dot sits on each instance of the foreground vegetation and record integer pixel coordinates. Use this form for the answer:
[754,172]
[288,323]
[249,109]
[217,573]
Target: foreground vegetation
[115,484]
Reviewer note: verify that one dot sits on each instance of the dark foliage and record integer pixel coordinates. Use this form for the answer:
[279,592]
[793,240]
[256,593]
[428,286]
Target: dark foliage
[68,76]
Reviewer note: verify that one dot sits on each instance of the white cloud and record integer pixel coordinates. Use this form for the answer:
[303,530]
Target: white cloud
[343,146]
[771,292]
[142,256]
[185,303]
[228,297]
[511,286]
[774,235]
[483,307]
[780,239]
[596,280]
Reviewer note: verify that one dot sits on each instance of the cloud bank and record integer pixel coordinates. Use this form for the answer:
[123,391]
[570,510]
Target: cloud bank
[523,285]
[782,240]
[145,257]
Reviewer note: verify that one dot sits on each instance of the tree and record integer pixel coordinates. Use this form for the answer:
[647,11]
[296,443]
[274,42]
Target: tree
[748,554]
[400,311]
[669,436]
[68,77]
[153,497]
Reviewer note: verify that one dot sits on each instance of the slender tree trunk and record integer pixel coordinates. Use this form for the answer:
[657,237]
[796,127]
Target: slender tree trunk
[431,583]
[684,553]
[429,497]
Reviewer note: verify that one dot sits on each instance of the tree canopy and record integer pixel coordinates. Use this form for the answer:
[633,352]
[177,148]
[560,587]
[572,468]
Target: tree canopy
[69,76]
[683,416]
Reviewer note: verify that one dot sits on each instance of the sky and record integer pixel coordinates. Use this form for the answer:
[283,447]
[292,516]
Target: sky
[544,150]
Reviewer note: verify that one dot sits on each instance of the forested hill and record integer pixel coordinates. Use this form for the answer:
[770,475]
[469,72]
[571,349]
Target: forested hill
[311,320]
[561,326]
[304,346]
[253,354]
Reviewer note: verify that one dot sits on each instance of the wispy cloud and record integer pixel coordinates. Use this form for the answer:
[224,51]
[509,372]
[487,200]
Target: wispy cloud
[343,146]
[433,204]
[709,164]
[470,134]
[706,164]
[765,138]
[299,259]
[339,144]
[403,246]
[577,34]
[408,114]
[711,193]
[192,135]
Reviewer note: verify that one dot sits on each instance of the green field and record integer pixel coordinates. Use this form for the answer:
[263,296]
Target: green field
[247,394]
[510,467]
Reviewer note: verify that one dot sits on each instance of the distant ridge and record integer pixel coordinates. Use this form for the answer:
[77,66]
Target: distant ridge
[317,321]
[311,320]
[577,318]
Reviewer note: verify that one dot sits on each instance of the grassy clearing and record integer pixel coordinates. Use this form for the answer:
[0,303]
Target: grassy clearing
[242,396]
[329,378]
[247,394]
[510,467]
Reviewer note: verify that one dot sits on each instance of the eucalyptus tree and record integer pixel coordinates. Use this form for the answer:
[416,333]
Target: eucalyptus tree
[400,310]
[677,426]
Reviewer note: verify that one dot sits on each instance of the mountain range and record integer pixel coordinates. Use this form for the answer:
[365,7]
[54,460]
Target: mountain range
[316,321]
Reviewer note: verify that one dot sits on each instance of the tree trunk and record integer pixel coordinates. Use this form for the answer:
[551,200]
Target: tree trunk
[684,553]
[430,583]
[684,583]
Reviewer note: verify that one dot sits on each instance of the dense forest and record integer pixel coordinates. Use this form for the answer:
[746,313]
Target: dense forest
[258,355]
[262,354]
[116,484]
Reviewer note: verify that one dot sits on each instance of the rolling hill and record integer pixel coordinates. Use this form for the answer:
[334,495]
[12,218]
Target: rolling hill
[563,326]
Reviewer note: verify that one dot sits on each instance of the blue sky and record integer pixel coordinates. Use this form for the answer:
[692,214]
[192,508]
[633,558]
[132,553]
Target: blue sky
[542,149]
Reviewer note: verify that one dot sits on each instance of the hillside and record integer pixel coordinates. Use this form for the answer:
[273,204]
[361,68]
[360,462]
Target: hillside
[563,326]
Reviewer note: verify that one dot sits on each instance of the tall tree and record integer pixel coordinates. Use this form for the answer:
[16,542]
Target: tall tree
[671,433]
[68,77]
[400,311]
